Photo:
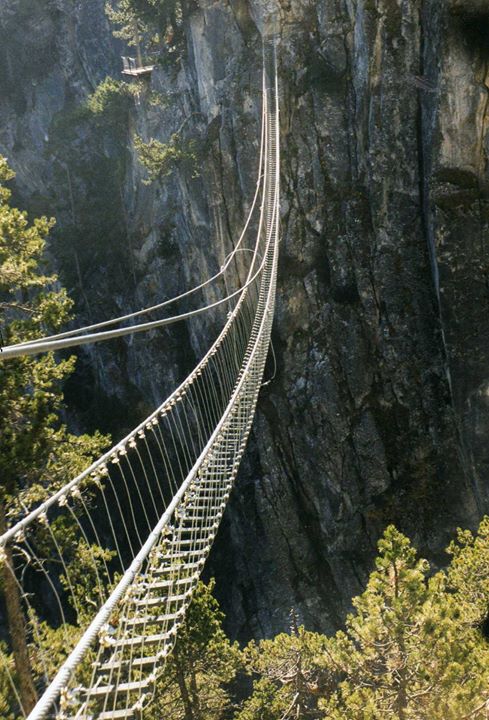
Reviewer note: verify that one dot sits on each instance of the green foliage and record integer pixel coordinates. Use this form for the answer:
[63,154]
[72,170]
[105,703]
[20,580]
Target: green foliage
[161,159]
[268,702]
[55,645]
[201,666]
[113,97]
[157,99]
[468,573]
[291,674]
[37,450]
[6,669]
[158,23]
[405,652]
[411,650]
[123,14]
[86,575]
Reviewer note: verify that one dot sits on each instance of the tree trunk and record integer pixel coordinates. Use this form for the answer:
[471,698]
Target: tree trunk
[195,694]
[17,627]
[137,43]
[184,693]
[401,702]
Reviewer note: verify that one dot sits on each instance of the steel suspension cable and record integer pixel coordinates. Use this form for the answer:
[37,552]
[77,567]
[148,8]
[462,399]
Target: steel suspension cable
[166,303]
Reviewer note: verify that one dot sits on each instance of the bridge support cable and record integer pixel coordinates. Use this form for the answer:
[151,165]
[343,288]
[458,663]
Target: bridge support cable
[91,333]
[39,346]
[138,524]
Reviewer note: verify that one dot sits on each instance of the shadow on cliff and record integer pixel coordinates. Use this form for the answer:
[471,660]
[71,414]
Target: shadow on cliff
[470,27]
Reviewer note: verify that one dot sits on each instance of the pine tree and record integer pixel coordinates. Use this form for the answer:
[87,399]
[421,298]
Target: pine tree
[157,23]
[290,676]
[37,453]
[407,651]
[468,574]
[203,663]
[414,648]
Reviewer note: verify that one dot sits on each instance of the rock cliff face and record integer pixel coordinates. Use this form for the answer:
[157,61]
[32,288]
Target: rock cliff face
[379,410]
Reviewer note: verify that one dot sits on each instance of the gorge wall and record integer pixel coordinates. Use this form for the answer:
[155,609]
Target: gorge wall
[379,408]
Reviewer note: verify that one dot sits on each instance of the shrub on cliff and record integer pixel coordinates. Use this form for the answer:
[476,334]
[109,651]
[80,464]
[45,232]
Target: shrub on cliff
[157,23]
[161,159]
[113,97]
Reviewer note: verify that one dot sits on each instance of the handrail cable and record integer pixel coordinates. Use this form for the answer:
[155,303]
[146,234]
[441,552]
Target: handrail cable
[259,343]
[159,306]
[145,514]
[41,509]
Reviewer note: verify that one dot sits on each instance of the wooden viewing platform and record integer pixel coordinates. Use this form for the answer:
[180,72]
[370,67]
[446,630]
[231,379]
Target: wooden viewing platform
[132,68]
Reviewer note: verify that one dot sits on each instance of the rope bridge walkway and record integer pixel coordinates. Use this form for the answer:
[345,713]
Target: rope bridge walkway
[116,553]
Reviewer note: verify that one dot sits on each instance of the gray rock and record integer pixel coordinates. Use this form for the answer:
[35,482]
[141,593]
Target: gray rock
[379,409]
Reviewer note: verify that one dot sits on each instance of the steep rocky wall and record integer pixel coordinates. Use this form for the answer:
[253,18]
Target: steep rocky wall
[378,410]
[458,219]
[359,429]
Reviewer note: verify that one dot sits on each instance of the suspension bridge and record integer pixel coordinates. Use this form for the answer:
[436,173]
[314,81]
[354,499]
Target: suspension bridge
[141,520]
